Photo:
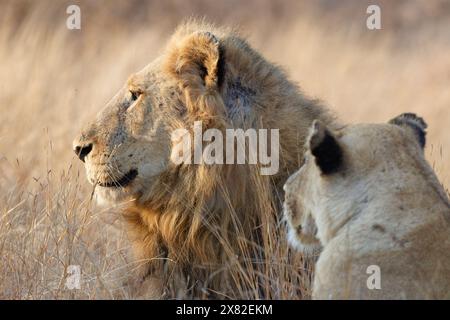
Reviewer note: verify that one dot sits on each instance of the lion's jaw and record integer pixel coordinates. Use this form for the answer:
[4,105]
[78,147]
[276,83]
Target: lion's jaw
[128,187]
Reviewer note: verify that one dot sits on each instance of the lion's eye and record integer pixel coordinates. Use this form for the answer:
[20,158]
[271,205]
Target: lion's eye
[134,95]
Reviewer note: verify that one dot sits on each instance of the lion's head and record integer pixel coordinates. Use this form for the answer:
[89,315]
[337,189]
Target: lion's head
[201,76]
[129,144]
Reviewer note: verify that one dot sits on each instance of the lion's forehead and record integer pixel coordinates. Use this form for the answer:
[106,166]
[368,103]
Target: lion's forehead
[377,140]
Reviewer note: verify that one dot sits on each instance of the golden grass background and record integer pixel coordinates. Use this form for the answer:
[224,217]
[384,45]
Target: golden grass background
[53,79]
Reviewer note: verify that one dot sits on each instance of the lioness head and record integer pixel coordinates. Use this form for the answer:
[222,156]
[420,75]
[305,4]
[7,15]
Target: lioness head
[129,143]
[341,168]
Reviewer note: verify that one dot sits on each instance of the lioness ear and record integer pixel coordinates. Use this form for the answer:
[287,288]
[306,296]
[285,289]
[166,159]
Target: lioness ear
[411,121]
[196,62]
[325,148]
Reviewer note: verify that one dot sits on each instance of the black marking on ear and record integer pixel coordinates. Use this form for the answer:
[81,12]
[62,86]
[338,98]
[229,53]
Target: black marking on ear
[221,66]
[220,69]
[328,154]
[414,122]
[203,72]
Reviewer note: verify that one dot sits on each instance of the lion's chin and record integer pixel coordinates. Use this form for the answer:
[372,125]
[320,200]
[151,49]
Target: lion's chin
[310,249]
[107,197]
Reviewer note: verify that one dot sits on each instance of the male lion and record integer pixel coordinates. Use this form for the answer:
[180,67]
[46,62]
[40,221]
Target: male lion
[381,214]
[201,230]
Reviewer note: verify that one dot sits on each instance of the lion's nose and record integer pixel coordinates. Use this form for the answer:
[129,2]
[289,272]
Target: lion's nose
[83,150]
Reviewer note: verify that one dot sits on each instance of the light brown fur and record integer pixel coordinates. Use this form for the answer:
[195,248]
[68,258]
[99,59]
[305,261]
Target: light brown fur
[380,204]
[205,230]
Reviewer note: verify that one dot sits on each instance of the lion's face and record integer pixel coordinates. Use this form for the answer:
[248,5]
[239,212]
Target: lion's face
[128,144]
[302,230]
[343,170]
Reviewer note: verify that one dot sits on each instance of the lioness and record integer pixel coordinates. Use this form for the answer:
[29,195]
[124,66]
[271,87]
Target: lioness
[381,214]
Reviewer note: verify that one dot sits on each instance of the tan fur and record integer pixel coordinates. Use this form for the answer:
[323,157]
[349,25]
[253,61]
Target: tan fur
[201,228]
[383,206]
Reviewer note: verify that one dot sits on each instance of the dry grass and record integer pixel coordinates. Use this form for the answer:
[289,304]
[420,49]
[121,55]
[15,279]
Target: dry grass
[53,79]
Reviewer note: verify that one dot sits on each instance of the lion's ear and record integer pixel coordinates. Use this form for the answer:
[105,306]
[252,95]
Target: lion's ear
[196,62]
[417,125]
[325,148]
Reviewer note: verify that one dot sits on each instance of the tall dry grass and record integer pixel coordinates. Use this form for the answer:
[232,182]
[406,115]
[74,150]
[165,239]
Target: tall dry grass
[53,79]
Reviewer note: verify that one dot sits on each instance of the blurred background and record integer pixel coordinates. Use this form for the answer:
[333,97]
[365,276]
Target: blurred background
[53,79]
